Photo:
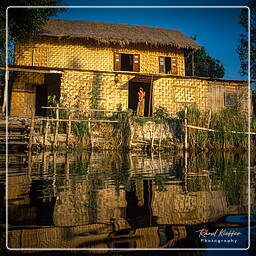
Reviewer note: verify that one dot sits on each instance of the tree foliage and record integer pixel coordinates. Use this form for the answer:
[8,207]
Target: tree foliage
[23,23]
[204,65]
[243,41]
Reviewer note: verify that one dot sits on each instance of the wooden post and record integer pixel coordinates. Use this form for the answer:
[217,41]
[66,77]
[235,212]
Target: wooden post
[160,139]
[32,125]
[68,130]
[54,173]
[66,166]
[152,141]
[46,131]
[150,96]
[186,129]
[209,119]
[89,124]
[45,163]
[30,165]
[186,170]
[57,126]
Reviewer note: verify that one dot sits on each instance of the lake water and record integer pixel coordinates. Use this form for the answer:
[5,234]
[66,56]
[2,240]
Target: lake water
[128,200]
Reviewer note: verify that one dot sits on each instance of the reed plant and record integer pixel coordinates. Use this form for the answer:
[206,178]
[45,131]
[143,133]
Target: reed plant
[230,125]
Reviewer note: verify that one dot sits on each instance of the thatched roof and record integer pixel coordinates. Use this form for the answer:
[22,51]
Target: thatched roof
[117,33]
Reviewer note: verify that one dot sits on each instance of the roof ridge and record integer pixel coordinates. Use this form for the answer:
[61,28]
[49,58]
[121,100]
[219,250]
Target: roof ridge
[117,33]
[112,23]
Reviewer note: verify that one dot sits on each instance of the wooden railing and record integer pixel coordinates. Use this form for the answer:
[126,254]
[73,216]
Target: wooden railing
[90,114]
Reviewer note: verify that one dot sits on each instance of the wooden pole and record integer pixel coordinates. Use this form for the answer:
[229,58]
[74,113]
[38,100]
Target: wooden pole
[54,173]
[150,95]
[46,131]
[67,166]
[160,139]
[68,130]
[186,170]
[186,129]
[209,119]
[32,125]
[45,163]
[57,126]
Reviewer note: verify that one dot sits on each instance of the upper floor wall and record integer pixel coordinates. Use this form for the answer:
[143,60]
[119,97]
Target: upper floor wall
[80,54]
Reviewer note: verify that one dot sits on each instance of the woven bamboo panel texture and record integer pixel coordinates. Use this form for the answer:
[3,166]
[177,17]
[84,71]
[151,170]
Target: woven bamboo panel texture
[23,97]
[185,94]
[80,55]
[111,90]
[176,93]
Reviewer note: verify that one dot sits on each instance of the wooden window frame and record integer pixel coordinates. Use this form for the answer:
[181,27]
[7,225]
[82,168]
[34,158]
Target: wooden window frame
[162,65]
[118,63]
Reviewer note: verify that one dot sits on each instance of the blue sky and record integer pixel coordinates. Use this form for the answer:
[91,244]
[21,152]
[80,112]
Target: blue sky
[216,28]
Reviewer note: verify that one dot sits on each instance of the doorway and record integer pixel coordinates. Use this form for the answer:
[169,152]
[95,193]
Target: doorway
[133,97]
[51,87]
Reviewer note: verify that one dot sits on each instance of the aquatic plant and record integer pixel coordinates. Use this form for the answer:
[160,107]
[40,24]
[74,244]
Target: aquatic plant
[229,125]
[160,115]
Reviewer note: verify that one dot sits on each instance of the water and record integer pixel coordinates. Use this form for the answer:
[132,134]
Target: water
[130,200]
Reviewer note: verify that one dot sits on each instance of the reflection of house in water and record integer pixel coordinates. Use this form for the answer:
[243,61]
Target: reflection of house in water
[106,200]
[176,206]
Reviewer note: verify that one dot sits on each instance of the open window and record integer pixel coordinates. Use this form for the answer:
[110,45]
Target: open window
[168,65]
[230,99]
[127,62]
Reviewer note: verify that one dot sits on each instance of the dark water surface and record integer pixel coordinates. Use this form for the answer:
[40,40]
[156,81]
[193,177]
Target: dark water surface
[129,200]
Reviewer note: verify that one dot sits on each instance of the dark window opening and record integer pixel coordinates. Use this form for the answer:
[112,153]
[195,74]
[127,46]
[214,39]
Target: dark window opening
[168,68]
[168,65]
[230,99]
[127,62]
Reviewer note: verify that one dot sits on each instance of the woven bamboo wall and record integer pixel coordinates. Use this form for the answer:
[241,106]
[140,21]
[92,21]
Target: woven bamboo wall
[23,94]
[112,89]
[176,93]
[76,88]
[78,54]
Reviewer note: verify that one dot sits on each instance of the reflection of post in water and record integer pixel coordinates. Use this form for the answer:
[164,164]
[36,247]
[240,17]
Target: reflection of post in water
[30,164]
[54,173]
[140,192]
[138,208]
[186,170]
[66,168]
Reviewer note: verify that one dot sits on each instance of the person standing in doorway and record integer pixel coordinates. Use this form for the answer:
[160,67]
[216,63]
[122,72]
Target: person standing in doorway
[141,102]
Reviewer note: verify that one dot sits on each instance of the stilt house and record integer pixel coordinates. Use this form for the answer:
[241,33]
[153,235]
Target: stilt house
[78,60]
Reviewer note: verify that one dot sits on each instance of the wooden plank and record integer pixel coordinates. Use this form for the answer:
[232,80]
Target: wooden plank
[212,130]
[13,143]
[89,110]
[80,120]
